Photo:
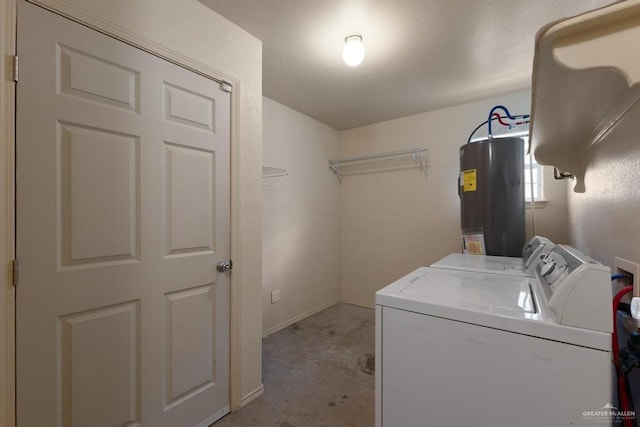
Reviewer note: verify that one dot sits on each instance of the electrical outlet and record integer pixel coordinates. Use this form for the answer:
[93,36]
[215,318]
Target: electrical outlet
[275,296]
[632,270]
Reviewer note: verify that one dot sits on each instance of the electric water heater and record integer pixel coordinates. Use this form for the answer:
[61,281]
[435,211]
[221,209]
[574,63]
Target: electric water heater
[491,190]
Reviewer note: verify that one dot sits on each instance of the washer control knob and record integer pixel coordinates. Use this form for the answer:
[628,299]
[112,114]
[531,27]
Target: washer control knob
[547,268]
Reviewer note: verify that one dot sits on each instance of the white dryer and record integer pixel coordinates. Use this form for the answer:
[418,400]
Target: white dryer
[461,348]
[532,254]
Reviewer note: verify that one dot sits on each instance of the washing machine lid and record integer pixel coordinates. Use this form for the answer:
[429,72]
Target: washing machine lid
[509,303]
[482,263]
[501,295]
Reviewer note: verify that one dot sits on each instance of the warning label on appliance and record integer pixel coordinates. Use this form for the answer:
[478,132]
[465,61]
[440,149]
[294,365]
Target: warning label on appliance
[469,180]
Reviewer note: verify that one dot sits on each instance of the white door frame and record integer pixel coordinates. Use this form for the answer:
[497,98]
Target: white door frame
[7,242]
[245,320]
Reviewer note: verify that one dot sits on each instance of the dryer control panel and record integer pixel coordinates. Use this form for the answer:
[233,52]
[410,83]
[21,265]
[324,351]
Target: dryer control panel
[577,288]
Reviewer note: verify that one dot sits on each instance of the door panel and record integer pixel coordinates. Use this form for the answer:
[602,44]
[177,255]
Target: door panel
[84,75]
[98,226]
[190,205]
[122,216]
[190,344]
[100,362]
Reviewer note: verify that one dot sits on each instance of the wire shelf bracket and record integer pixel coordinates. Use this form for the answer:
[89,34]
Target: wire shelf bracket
[273,172]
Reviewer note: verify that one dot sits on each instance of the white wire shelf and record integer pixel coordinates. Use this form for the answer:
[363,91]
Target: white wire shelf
[394,160]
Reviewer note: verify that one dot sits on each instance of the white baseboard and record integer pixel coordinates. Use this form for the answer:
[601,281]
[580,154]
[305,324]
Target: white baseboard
[358,303]
[248,398]
[298,318]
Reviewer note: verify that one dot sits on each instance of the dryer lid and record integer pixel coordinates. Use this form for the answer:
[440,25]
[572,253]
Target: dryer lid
[488,263]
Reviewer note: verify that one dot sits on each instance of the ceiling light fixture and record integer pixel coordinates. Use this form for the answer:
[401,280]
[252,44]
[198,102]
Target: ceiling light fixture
[353,52]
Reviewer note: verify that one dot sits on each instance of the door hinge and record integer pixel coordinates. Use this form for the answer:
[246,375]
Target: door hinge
[15,68]
[226,87]
[14,272]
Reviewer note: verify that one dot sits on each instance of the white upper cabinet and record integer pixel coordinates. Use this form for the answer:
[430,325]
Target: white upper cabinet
[585,79]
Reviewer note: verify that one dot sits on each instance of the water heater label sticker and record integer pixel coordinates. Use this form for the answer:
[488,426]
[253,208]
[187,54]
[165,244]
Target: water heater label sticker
[469,178]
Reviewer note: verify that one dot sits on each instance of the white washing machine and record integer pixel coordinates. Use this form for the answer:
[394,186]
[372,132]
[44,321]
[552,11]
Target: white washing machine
[532,254]
[461,348]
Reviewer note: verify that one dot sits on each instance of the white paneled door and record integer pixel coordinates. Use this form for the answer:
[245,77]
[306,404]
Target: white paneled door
[122,215]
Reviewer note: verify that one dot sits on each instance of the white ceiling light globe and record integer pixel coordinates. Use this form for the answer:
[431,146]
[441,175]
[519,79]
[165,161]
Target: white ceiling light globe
[353,52]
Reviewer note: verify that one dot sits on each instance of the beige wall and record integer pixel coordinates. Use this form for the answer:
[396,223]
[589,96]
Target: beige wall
[394,222]
[300,217]
[191,34]
[604,220]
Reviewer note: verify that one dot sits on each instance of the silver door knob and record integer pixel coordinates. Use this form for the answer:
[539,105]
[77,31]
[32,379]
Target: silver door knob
[224,266]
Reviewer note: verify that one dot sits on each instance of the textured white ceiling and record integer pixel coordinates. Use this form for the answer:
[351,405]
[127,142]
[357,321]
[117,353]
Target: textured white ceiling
[421,55]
